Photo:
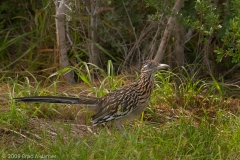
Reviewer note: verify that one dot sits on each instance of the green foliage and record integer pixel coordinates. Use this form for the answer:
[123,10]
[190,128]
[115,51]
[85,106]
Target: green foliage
[5,44]
[27,29]
[85,72]
[207,21]
[231,38]
[8,10]
[186,90]
[125,32]
[119,29]
[201,15]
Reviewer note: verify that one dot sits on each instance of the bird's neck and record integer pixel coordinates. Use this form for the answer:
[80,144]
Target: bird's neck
[146,82]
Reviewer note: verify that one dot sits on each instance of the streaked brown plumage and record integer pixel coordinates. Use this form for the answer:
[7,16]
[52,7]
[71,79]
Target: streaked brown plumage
[122,104]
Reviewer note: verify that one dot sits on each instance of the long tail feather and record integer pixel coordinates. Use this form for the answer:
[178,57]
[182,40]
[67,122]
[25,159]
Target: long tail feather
[91,101]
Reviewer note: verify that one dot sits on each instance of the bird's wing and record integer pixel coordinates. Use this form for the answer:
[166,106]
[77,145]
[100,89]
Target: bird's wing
[116,105]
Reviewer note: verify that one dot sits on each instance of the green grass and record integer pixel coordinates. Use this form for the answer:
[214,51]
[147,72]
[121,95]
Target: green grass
[177,140]
[183,122]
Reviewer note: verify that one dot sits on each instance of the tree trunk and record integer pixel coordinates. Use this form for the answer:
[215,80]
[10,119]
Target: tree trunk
[179,44]
[162,47]
[94,52]
[61,39]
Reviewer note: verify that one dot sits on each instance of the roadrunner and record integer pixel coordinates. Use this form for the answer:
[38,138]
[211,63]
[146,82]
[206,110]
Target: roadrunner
[120,105]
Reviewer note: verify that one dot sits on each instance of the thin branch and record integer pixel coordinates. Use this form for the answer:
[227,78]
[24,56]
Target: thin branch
[229,71]
[139,52]
[162,47]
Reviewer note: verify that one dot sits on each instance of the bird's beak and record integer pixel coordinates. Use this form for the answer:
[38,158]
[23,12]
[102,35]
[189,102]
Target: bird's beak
[163,66]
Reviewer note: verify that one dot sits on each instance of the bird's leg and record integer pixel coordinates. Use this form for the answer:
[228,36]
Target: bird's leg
[119,124]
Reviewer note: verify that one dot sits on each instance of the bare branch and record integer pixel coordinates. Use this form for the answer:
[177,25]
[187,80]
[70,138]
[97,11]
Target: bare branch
[162,47]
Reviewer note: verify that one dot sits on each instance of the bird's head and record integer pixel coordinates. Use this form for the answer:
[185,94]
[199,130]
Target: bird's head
[151,66]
